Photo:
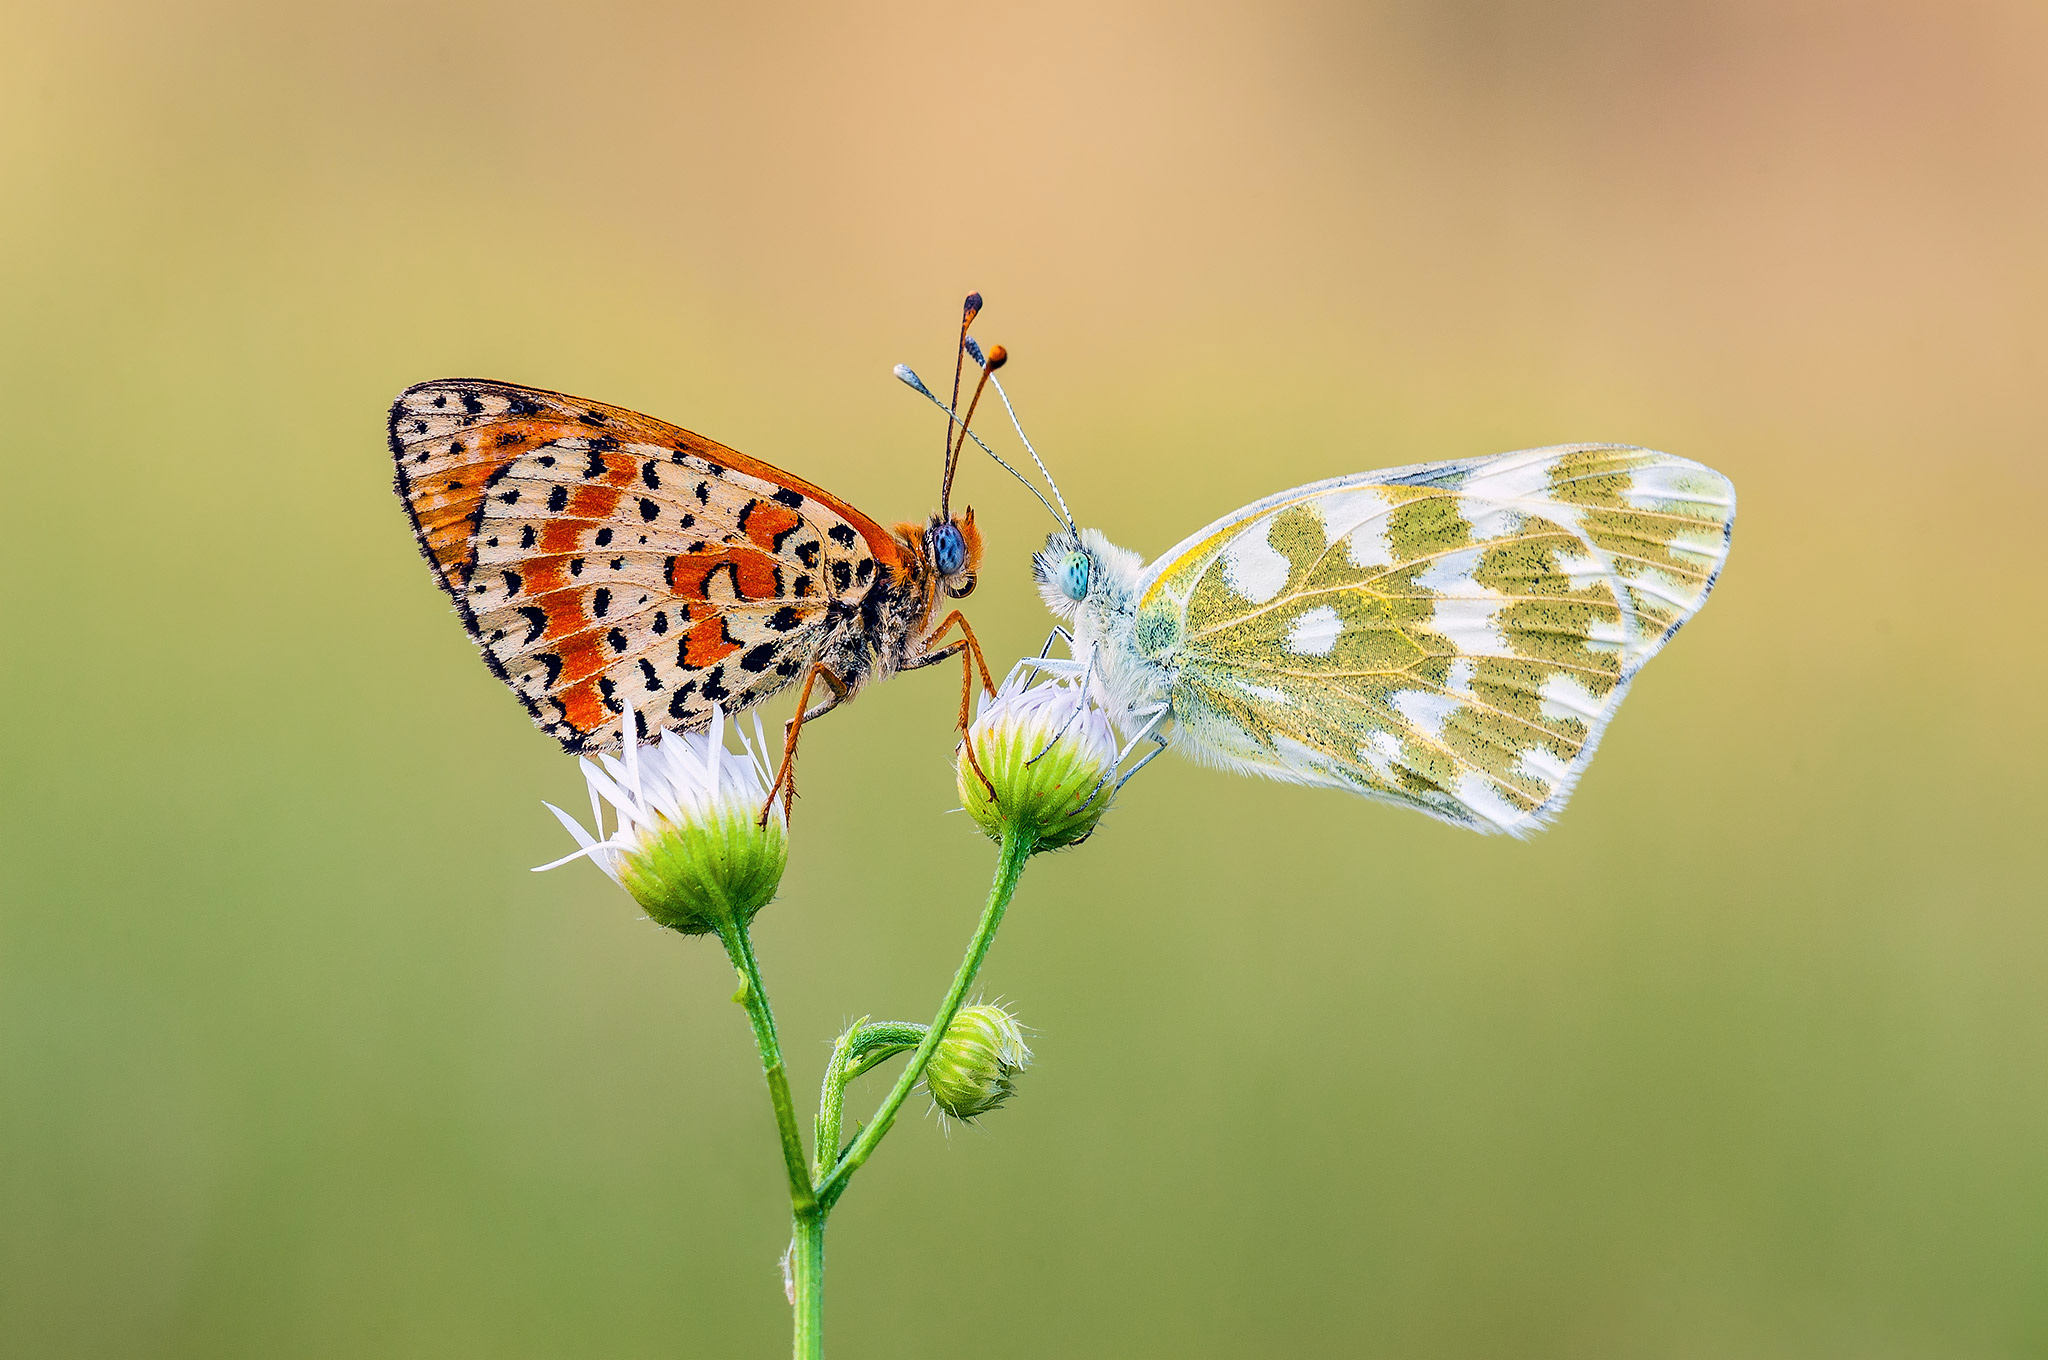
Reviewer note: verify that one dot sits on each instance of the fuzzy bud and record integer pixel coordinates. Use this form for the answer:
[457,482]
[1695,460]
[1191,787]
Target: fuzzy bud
[974,1068]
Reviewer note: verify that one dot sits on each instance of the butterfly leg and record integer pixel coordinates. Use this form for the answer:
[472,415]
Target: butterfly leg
[975,660]
[785,775]
[968,647]
[1087,682]
[1149,732]
[1044,662]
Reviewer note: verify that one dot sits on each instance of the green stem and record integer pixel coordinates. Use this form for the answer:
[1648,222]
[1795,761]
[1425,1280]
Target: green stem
[1016,849]
[860,1048]
[754,996]
[807,1268]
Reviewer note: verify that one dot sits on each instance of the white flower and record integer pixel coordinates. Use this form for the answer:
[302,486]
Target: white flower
[688,840]
[1048,753]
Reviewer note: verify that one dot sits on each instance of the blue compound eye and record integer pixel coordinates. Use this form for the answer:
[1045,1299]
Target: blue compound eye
[949,550]
[1074,575]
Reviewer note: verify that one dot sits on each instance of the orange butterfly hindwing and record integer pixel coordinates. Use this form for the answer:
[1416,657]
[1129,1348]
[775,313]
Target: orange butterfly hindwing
[603,559]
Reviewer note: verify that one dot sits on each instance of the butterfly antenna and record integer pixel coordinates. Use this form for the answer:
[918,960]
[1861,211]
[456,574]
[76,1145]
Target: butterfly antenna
[1064,515]
[997,357]
[910,379]
[969,310]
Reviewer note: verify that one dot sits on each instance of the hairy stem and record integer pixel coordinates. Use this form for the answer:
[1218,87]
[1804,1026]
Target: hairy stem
[754,996]
[807,1273]
[860,1048]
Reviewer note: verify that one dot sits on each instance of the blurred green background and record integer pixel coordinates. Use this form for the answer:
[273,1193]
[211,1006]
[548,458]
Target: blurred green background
[1743,1058]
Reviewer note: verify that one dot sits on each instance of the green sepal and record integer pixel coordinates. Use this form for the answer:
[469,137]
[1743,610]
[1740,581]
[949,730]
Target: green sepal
[697,876]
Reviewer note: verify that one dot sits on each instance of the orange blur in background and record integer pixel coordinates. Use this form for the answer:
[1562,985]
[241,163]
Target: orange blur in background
[1742,1058]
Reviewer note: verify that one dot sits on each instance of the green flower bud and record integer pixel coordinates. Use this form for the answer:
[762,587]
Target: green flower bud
[974,1068]
[689,845]
[1049,755]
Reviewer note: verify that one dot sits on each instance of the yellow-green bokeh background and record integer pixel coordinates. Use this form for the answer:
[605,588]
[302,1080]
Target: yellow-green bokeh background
[1744,1058]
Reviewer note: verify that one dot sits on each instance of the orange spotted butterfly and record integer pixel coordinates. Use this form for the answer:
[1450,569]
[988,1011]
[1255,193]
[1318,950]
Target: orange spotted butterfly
[609,563]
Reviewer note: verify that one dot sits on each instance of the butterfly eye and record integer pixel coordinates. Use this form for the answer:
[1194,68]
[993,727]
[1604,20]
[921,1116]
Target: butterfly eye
[949,550]
[1074,575]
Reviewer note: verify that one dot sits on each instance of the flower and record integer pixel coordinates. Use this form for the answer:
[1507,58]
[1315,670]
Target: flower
[974,1068]
[689,844]
[1049,756]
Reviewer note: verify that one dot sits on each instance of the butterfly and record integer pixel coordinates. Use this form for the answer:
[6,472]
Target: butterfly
[1453,637]
[608,563]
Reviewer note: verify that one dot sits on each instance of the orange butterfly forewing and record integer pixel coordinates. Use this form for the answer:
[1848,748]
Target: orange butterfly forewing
[607,562]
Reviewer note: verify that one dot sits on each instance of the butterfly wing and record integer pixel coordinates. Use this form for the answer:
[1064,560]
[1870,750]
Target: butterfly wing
[602,558]
[1453,637]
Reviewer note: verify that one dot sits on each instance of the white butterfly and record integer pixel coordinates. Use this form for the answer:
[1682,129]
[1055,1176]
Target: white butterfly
[1453,637]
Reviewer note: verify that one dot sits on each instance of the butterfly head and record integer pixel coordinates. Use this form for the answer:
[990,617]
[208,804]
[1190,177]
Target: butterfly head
[1082,572]
[952,552]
